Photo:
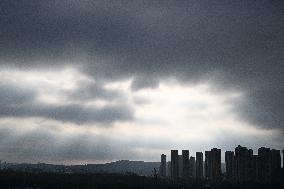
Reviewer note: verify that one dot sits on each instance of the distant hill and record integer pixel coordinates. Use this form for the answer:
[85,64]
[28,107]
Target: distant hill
[122,167]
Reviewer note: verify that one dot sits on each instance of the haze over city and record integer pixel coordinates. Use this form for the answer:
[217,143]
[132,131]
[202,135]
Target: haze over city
[99,81]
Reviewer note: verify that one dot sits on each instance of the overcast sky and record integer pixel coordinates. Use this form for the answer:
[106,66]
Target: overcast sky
[98,81]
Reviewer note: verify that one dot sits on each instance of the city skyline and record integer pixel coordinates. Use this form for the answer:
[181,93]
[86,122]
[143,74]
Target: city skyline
[241,165]
[96,81]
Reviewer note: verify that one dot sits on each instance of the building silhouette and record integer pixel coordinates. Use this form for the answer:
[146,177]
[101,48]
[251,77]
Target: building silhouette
[275,164]
[283,158]
[169,169]
[207,165]
[180,166]
[213,164]
[174,164]
[243,165]
[192,166]
[229,160]
[283,163]
[216,163]
[264,165]
[185,167]
[199,165]
[163,167]
[255,167]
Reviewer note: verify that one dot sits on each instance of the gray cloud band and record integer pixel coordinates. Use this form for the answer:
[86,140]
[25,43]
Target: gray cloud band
[18,102]
[234,44]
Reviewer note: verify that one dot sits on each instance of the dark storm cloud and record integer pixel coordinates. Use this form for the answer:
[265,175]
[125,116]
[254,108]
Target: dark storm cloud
[70,113]
[92,90]
[234,44]
[19,102]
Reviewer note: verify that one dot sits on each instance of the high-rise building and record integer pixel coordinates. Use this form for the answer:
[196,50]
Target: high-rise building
[250,169]
[283,158]
[229,160]
[283,163]
[169,169]
[243,164]
[240,164]
[174,164]
[163,166]
[216,163]
[185,167]
[180,166]
[192,170]
[213,164]
[254,167]
[264,164]
[199,165]
[207,165]
[275,164]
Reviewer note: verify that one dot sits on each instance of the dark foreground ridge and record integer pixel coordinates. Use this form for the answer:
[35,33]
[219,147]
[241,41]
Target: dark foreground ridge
[23,180]
[119,167]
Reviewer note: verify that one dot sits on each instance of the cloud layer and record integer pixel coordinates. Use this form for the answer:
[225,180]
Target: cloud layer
[233,47]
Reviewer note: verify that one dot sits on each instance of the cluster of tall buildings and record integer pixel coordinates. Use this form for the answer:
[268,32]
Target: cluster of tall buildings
[180,165]
[185,166]
[241,165]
